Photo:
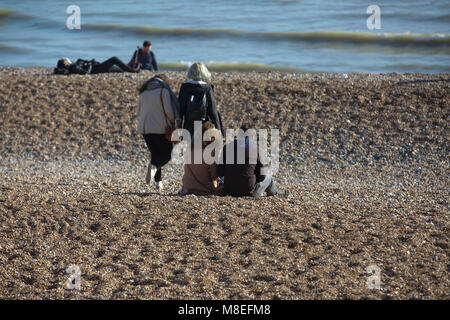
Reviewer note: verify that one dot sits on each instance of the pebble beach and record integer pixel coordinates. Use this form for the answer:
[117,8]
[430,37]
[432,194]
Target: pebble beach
[364,161]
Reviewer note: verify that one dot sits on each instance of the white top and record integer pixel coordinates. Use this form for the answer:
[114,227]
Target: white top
[150,113]
[196,82]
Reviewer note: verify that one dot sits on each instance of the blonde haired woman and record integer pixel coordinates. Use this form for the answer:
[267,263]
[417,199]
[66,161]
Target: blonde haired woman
[196,97]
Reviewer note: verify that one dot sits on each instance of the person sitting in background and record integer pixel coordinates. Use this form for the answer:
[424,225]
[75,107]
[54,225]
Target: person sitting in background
[249,178]
[146,58]
[65,66]
[196,98]
[201,179]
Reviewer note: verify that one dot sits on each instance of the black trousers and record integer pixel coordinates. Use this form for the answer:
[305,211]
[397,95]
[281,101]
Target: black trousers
[161,151]
[106,65]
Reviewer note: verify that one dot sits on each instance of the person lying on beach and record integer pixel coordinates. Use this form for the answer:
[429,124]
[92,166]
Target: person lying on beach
[196,98]
[146,58]
[248,178]
[158,108]
[201,179]
[65,66]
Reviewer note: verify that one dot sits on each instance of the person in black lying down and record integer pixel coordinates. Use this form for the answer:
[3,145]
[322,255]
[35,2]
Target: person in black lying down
[65,66]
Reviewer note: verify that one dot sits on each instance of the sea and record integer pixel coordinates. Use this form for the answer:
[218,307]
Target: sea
[374,36]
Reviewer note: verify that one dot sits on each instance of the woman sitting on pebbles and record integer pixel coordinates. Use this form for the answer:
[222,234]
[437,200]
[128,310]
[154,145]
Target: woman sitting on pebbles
[201,179]
[158,109]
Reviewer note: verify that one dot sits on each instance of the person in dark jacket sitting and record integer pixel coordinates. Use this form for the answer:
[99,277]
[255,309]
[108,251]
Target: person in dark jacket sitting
[197,101]
[247,176]
[65,66]
[146,58]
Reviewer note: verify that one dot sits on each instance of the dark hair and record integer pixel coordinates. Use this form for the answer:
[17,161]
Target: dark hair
[244,127]
[159,76]
[60,64]
[147,43]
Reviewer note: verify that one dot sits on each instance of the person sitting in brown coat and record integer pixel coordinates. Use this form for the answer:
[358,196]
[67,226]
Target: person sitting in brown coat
[201,179]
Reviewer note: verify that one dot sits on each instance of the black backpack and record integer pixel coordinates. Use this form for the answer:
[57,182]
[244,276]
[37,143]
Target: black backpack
[197,107]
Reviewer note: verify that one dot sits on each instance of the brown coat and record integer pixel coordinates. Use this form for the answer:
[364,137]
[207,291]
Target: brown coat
[199,179]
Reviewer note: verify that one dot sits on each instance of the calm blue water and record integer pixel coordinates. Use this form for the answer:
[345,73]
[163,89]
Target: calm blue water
[309,35]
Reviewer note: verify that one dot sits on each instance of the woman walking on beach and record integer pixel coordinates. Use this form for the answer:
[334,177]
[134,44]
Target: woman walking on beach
[196,98]
[158,111]
[201,179]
